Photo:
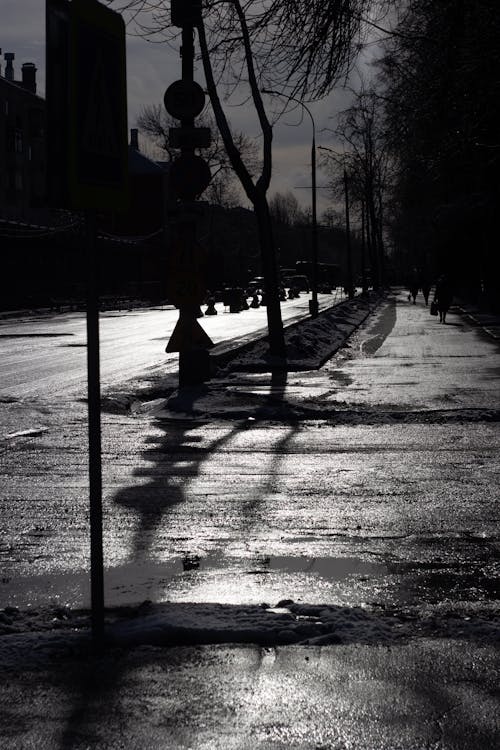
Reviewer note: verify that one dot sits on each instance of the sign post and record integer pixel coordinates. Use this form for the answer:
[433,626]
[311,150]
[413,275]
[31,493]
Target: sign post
[189,176]
[88,158]
[94,419]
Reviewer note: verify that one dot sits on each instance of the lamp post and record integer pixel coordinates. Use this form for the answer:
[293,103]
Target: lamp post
[350,281]
[313,303]
[350,284]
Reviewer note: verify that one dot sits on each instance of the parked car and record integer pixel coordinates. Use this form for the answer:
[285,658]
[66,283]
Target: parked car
[285,273]
[255,285]
[299,282]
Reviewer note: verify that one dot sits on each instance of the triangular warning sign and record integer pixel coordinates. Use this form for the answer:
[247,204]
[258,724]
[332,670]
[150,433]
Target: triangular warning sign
[188,334]
[99,129]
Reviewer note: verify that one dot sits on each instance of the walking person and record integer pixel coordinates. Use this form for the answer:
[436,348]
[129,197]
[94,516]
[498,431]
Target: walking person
[426,290]
[443,296]
[413,292]
[413,286]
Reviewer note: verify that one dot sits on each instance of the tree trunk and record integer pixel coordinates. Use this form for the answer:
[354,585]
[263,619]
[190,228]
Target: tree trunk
[270,272]
[380,233]
[255,191]
[371,233]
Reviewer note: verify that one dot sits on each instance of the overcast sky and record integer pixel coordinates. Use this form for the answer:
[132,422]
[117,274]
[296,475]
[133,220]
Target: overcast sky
[151,68]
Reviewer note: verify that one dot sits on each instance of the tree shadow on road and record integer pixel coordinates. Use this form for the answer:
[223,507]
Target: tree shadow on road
[175,459]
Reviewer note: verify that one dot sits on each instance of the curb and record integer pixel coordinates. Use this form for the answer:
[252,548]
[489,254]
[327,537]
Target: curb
[221,360]
[486,321]
[229,352]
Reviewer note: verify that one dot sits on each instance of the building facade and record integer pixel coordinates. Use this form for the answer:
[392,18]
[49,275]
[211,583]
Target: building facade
[22,144]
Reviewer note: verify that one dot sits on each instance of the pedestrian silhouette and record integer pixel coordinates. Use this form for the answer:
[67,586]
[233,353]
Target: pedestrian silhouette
[426,290]
[443,296]
[413,292]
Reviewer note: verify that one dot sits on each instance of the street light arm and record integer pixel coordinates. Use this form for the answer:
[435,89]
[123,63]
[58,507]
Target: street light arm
[298,101]
[338,158]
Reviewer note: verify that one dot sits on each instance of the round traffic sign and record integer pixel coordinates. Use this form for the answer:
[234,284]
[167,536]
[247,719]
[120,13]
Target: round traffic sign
[189,175]
[184,99]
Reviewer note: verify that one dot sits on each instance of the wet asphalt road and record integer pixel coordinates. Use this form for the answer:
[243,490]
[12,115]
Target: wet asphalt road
[385,496]
[399,482]
[43,356]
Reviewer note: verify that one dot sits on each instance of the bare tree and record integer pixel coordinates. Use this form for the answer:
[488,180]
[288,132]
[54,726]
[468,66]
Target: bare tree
[299,47]
[365,164]
[223,192]
[285,209]
[442,108]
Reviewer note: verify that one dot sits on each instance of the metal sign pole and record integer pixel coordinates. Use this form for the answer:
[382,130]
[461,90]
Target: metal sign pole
[94,426]
[87,117]
[189,175]
[350,282]
[313,302]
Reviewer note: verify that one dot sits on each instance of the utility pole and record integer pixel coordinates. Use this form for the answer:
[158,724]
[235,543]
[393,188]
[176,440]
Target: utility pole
[350,285]
[313,303]
[363,248]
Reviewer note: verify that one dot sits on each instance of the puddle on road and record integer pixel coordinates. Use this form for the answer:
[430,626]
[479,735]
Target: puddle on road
[216,577]
[345,581]
[331,568]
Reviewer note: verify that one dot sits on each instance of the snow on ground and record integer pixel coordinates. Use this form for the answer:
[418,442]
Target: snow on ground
[314,340]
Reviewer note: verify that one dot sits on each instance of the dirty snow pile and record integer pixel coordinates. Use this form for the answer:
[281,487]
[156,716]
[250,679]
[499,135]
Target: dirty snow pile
[291,622]
[310,343]
[35,638]
[286,623]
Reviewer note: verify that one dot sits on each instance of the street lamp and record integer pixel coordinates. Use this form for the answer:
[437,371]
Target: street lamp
[313,303]
[350,289]
[350,283]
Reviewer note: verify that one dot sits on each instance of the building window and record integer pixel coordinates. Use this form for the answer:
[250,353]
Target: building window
[36,123]
[19,180]
[18,141]
[11,186]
